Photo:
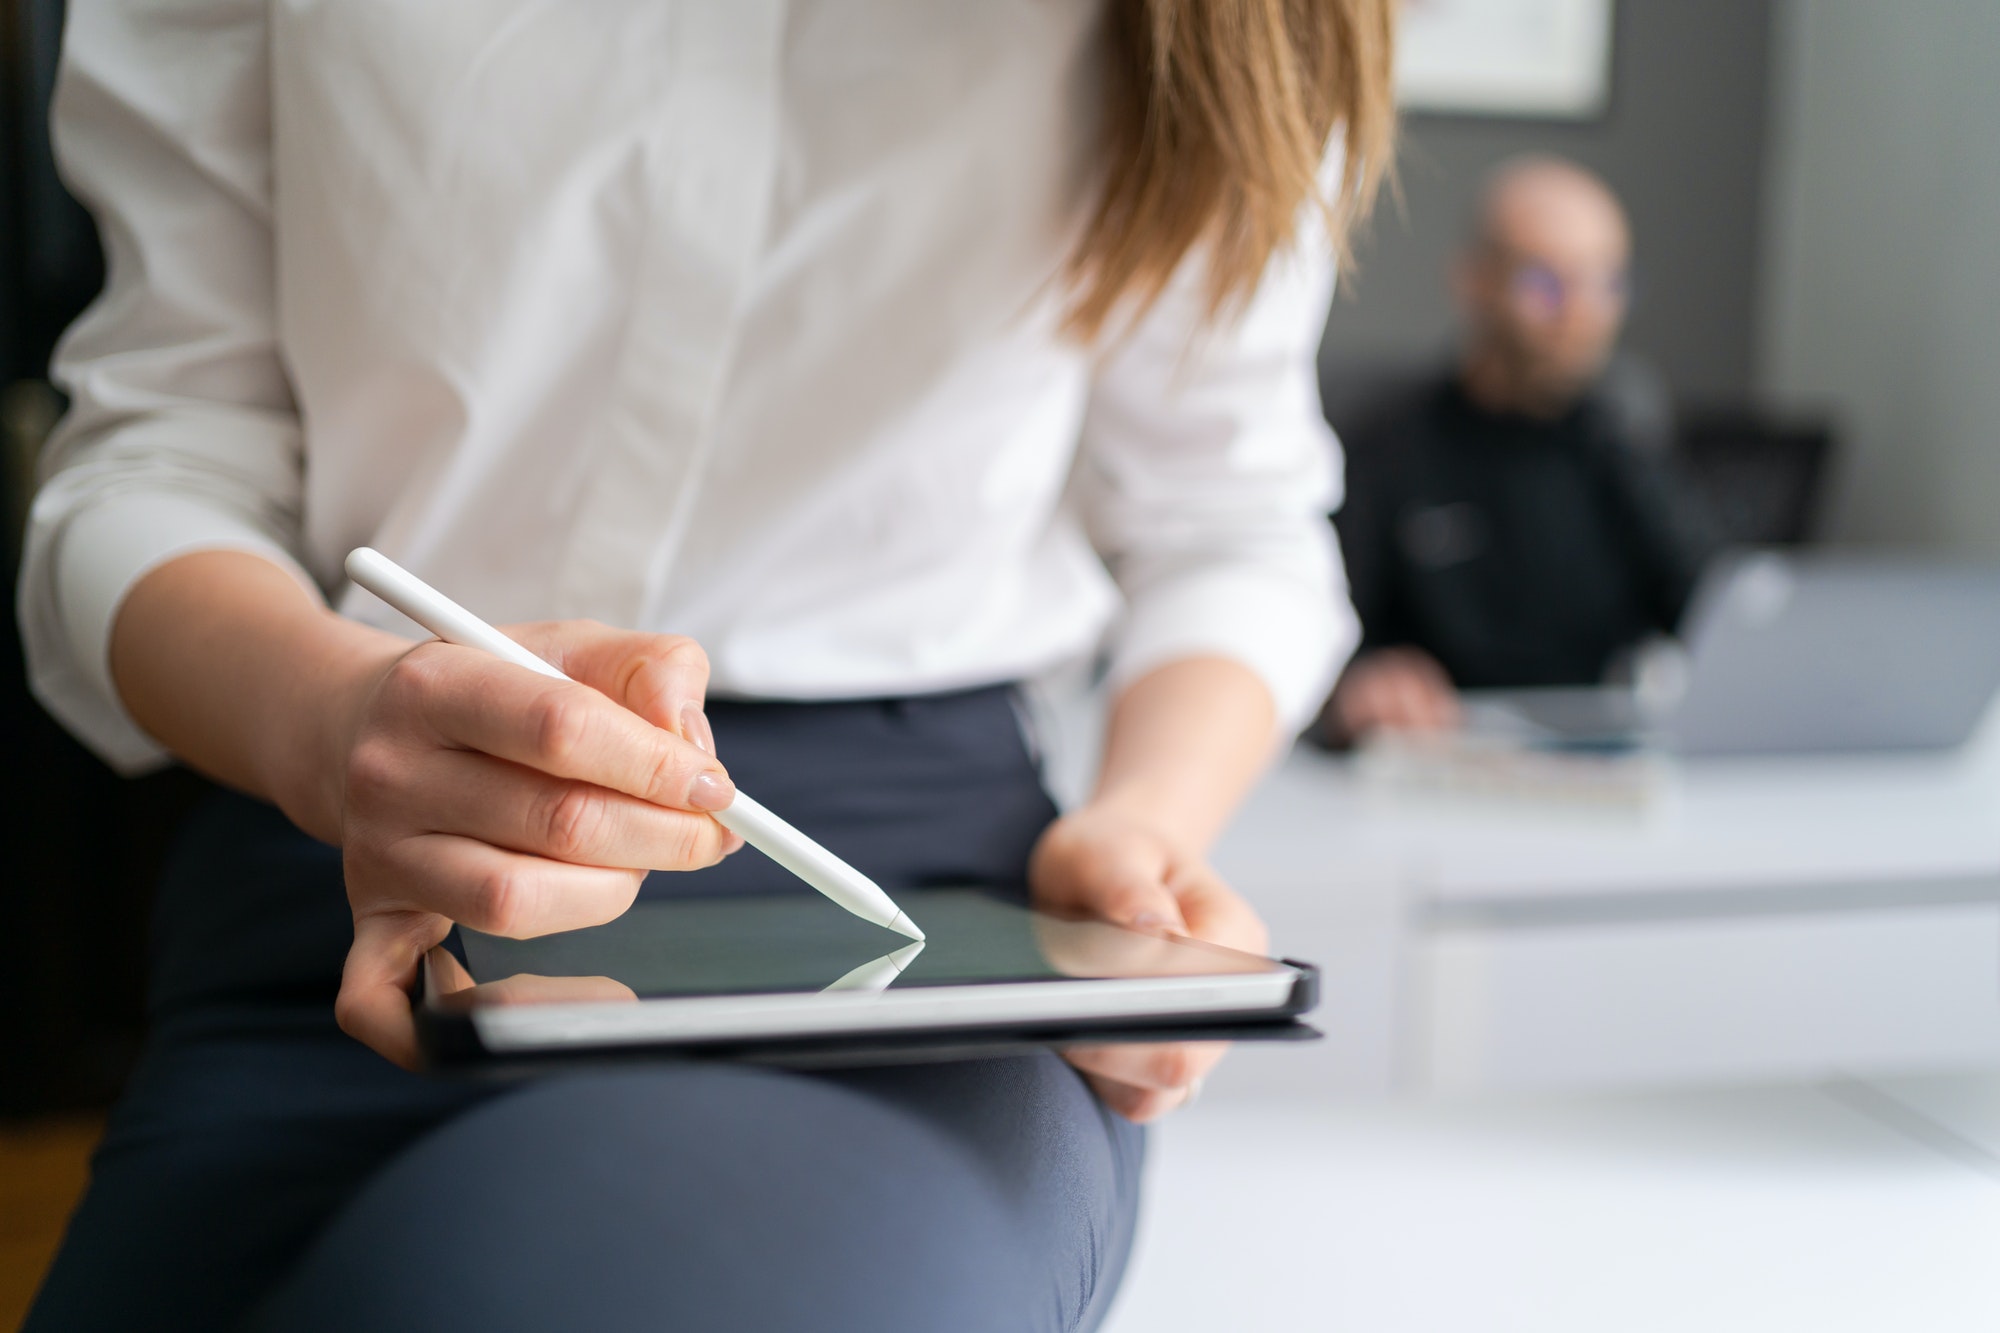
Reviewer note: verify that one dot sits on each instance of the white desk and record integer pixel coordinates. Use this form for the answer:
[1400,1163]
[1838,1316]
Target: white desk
[1843,1208]
[1767,920]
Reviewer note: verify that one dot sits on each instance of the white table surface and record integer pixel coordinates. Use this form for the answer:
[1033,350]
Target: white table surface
[1289,1199]
[1839,1208]
[1769,919]
[1735,824]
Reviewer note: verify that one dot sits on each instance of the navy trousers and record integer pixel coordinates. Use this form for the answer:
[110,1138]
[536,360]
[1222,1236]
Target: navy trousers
[265,1171]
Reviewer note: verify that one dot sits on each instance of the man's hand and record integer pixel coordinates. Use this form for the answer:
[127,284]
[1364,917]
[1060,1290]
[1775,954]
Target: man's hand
[1393,689]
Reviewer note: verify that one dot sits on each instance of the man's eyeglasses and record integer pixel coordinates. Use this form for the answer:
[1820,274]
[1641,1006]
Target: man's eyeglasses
[1546,290]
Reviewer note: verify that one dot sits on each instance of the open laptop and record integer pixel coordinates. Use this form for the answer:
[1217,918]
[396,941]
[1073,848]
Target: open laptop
[1800,654]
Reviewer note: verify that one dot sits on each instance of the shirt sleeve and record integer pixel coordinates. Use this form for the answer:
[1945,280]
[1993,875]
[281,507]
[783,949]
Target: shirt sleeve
[1207,475]
[181,434]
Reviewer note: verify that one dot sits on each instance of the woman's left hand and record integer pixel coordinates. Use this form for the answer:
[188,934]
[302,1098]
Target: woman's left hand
[1103,862]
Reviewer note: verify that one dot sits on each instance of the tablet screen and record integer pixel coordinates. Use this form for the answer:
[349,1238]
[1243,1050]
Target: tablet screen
[801,943]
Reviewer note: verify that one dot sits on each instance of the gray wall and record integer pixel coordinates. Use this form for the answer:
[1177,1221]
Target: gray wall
[1682,142]
[1883,287]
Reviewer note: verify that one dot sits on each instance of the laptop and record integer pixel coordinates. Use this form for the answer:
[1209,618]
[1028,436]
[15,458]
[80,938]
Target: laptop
[1798,654]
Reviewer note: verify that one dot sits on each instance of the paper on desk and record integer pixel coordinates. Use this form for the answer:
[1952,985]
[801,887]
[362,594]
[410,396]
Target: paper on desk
[1504,769]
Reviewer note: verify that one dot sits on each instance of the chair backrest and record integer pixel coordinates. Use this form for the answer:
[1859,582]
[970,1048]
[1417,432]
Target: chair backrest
[1762,477]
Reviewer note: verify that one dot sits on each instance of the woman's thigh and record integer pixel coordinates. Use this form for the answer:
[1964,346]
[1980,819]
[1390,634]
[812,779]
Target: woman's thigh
[976,1195]
[230,1150]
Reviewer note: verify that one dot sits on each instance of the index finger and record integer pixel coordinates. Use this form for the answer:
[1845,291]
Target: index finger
[562,728]
[658,676]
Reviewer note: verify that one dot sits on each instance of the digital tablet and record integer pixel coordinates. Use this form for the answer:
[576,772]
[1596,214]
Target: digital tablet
[794,979]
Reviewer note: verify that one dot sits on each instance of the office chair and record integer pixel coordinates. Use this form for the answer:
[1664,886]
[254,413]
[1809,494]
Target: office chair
[1762,477]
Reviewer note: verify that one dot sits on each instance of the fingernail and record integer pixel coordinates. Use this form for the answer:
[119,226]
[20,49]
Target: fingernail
[695,729]
[711,791]
[1149,921]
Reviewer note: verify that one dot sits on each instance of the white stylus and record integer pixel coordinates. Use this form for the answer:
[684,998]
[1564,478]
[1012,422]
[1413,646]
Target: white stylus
[757,826]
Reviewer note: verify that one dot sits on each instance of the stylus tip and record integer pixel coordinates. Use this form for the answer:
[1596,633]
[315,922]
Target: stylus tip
[902,925]
[903,957]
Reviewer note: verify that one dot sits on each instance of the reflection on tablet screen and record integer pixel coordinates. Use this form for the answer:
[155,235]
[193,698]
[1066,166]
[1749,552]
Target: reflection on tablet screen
[878,973]
[802,943]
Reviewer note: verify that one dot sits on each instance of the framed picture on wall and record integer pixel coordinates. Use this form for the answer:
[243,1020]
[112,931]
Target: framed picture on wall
[1543,58]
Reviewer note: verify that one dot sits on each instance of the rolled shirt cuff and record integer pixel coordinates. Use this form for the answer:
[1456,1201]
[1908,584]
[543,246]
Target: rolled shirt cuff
[1294,636]
[100,552]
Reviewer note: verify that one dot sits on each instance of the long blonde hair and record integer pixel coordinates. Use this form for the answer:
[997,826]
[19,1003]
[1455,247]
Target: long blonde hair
[1217,115]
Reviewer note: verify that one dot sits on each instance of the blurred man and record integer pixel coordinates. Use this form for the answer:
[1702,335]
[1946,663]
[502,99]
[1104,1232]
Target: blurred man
[1513,524]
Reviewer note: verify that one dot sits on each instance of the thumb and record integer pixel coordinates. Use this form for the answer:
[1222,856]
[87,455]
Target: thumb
[374,1002]
[1131,890]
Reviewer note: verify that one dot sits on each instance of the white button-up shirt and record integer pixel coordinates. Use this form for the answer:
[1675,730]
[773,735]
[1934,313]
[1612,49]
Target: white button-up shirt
[733,320]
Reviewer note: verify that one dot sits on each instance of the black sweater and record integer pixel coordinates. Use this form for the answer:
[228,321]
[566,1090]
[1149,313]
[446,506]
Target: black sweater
[1518,552]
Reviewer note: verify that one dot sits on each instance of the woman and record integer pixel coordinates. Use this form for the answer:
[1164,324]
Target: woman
[861,358]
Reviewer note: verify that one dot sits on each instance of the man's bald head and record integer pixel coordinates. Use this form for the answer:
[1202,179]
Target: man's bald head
[1542,284]
[1549,202]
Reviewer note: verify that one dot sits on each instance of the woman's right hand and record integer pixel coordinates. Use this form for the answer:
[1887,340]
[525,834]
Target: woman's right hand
[459,787]
[476,791]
